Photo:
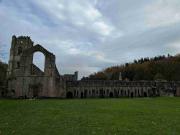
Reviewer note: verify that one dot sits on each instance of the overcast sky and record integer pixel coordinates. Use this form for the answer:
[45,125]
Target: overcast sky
[89,35]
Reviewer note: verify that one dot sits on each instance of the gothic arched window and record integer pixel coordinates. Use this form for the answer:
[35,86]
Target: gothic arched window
[19,50]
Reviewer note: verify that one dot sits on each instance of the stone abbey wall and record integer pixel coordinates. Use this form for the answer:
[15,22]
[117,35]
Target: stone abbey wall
[104,89]
[26,80]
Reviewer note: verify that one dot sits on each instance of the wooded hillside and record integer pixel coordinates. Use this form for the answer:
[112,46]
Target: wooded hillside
[161,67]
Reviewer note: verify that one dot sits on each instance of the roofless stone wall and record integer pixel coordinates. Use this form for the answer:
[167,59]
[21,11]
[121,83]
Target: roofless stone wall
[118,89]
[26,80]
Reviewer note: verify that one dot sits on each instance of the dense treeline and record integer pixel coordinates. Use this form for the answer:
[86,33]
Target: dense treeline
[3,70]
[157,68]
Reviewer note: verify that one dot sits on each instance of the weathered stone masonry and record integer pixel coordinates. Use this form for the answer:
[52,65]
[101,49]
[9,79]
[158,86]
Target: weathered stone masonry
[26,80]
[104,89]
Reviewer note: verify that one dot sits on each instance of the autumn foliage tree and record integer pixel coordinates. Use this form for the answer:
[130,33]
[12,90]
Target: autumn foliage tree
[157,68]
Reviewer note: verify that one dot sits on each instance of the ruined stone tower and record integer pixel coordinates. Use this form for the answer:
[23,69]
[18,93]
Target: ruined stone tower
[25,79]
[18,45]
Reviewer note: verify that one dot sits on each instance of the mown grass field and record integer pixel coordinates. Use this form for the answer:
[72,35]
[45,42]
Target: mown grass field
[148,116]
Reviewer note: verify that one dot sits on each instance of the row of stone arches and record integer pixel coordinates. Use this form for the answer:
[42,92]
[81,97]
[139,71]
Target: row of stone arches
[107,93]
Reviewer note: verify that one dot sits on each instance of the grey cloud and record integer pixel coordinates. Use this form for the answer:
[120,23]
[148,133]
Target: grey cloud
[88,35]
[148,43]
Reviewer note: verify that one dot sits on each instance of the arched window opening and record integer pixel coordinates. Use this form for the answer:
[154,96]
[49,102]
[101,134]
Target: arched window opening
[74,92]
[93,92]
[121,92]
[77,93]
[96,91]
[89,92]
[69,95]
[101,93]
[107,91]
[19,50]
[39,60]
[145,94]
[18,65]
[82,95]
[111,95]
[132,94]
[85,93]
[2,93]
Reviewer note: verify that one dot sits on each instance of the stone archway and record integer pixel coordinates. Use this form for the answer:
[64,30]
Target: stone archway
[69,95]
[85,93]
[34,90]
[48,58]
[145,94]
[2,93]
[82,95]
[101,95]
[111,95]
[132,94]
[39,60]
[115,93]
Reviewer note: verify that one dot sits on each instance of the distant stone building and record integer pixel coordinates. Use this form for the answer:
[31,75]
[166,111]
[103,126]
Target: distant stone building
[26,80]
[71,77]
[116,88]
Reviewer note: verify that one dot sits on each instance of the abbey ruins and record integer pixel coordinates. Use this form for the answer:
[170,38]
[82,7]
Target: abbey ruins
[26,80]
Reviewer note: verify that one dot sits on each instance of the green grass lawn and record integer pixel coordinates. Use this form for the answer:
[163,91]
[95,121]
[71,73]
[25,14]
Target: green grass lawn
[149,116]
